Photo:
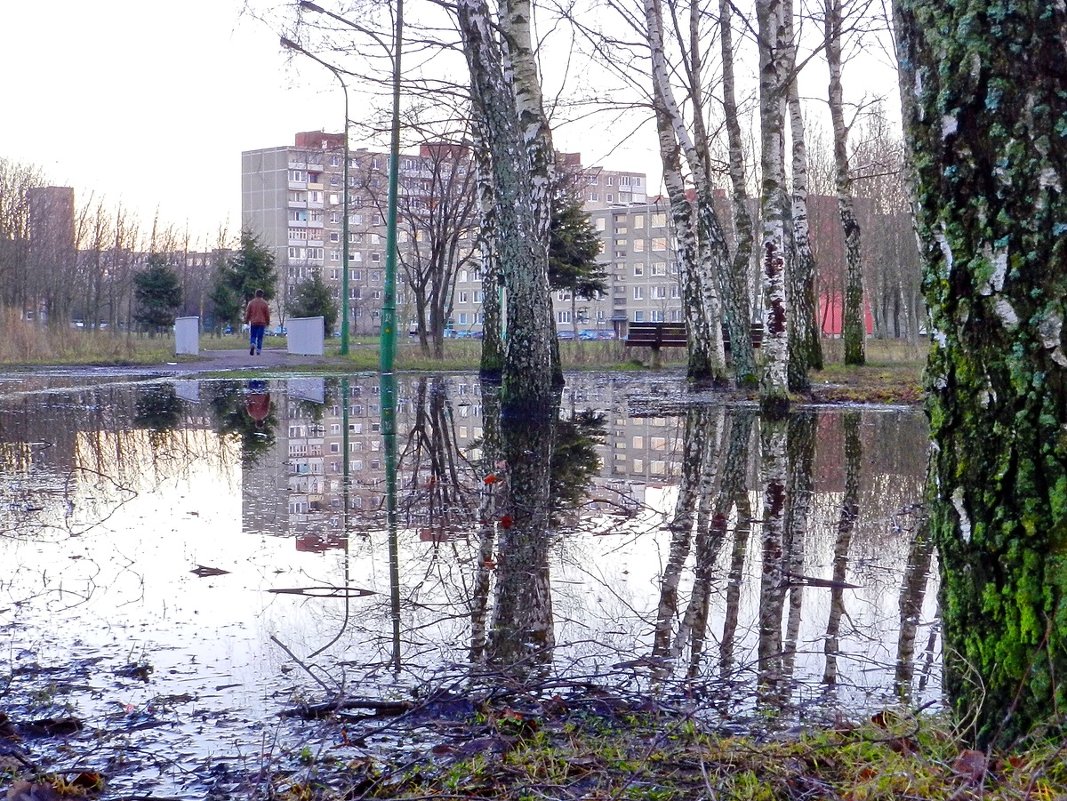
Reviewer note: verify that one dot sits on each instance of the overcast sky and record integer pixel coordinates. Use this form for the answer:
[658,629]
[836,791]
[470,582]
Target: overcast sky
[150,104]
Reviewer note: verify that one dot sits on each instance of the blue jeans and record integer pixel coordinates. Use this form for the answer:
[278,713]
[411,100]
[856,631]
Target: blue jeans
[256,336]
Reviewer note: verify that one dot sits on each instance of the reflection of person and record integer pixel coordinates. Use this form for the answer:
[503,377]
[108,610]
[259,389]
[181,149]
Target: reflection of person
[257,401]
[257,315]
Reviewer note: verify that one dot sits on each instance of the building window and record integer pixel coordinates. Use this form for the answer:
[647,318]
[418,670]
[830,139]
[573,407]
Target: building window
[658,292]
[639,270]
[335,237]
[659,244]
[593,198]
[656,316]
[639,246]
[639,293]
[658,268]
[658,219]
[639,316]
[563,317]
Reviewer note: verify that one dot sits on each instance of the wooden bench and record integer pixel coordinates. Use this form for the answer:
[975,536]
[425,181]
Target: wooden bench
[656,336]
[672,335]
[756,333]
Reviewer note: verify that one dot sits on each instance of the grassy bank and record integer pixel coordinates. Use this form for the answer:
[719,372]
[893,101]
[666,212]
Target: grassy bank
[570,749]
[892,373]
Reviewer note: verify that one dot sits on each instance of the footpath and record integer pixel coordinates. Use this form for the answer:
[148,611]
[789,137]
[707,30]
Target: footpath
[234,359]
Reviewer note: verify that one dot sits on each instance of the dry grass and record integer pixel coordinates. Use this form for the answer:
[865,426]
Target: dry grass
[24,342]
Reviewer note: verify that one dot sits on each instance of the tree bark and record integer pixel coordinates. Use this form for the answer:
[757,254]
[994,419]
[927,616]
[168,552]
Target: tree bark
[853,326]
[805,342]
[736,303]
[527,376]
[987,135]
[774,71]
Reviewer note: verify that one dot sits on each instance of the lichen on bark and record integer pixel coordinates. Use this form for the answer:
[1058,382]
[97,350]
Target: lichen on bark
[987,124]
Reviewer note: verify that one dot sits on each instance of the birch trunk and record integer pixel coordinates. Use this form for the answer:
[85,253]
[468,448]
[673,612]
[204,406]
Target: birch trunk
[805,345]
[736,302]
[520,70]
[854,329]
[774,71]
[492,359]
[522,253]
[986,128]
[701,246]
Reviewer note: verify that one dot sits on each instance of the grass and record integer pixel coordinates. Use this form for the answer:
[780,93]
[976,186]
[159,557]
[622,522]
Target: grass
[640,756]
[29,344]
[892,373]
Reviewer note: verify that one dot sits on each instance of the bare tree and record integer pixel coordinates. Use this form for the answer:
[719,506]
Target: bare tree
[436,216]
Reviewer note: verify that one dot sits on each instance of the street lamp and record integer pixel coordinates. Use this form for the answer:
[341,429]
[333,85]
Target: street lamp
[291,45]
[388,330]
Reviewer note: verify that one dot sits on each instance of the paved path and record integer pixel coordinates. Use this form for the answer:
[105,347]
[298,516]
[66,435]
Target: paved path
[238,359]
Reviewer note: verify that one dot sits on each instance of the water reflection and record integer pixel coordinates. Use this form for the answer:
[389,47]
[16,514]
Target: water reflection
[383,534]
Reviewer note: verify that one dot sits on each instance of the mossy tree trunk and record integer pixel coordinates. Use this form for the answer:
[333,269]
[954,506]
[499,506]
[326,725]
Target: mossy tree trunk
[521,243]
[987,125]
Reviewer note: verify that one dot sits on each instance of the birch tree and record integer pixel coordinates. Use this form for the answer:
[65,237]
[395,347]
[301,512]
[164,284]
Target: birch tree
[853,324]
[736,292]
[774,75]
[986,121]
[700,242]
[520,203]
[805,346]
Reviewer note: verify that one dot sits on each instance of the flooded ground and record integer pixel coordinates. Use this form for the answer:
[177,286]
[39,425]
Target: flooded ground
[183,561]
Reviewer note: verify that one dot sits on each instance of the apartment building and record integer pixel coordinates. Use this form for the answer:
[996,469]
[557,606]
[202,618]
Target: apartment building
[292,198]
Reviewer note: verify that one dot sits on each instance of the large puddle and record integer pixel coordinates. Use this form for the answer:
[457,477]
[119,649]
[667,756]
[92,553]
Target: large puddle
[184,560]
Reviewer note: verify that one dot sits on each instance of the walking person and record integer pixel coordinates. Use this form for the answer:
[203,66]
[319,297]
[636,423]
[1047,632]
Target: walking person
[257,315]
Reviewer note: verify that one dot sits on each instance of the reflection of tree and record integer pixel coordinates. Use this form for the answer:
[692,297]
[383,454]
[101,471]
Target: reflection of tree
[734,495]
[492,453]
[713,483]
[522,627]
[801,494]
[574,459]
[159,409]
[700,447]
[912,593]
[845,524]
[774,462]
[440,485]
[227,402]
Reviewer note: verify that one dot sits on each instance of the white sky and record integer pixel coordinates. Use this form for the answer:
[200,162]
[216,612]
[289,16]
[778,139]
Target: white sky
[150,104]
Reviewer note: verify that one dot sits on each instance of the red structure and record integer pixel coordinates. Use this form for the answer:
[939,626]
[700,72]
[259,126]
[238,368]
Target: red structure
[832,315]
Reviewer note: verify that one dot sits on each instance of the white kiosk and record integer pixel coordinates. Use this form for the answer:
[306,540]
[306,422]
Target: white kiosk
[187,336]
[304,335]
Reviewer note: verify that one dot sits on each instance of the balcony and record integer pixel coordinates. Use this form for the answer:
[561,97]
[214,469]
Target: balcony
[298,184]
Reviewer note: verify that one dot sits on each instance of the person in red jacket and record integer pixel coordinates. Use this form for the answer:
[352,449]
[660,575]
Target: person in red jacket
[257,315]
